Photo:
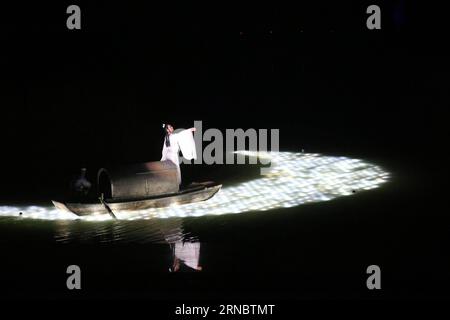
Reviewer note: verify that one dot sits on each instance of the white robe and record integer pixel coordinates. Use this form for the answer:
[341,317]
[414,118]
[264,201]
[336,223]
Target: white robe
[183,141]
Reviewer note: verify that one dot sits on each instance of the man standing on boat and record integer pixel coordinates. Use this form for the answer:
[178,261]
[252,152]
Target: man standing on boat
[176,141]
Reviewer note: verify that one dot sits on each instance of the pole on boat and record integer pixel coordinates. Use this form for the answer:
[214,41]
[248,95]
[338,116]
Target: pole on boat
[103,202]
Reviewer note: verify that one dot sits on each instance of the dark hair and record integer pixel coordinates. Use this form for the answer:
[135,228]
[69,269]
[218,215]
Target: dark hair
[166,138]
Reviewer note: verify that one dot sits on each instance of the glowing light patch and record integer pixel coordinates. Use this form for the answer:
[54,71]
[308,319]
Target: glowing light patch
[293,179]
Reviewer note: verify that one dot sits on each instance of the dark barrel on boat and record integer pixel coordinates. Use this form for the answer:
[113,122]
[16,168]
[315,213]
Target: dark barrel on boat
[138,181]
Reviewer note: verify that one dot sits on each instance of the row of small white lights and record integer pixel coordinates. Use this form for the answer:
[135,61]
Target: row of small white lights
[293,179]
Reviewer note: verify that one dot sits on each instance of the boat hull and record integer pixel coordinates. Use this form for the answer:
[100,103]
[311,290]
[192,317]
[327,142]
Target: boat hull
[196,194]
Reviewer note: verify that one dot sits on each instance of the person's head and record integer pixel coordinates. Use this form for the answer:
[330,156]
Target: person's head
[83,171]
[169,128]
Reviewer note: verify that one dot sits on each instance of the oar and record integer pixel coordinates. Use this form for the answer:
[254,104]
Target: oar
[107,207]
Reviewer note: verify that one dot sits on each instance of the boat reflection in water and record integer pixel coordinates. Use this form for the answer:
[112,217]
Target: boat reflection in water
[184,247]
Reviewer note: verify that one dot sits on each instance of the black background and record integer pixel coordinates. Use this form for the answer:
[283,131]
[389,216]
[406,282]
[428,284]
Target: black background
[96,96]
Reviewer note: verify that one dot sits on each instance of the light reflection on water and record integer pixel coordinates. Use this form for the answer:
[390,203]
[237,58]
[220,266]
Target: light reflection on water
[292,180]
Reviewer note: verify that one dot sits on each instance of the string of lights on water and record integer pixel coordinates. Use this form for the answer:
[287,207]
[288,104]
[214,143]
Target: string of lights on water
[293,179]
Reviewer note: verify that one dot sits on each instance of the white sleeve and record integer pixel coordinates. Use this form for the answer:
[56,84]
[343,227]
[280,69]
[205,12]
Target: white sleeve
[187,144]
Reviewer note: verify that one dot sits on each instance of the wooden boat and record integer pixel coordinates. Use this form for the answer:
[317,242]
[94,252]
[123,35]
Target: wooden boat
[139,187]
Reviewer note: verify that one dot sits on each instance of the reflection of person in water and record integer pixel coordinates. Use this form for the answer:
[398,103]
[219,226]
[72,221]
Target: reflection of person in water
[174,142]
[81,185]
[186,254]
[182,252]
